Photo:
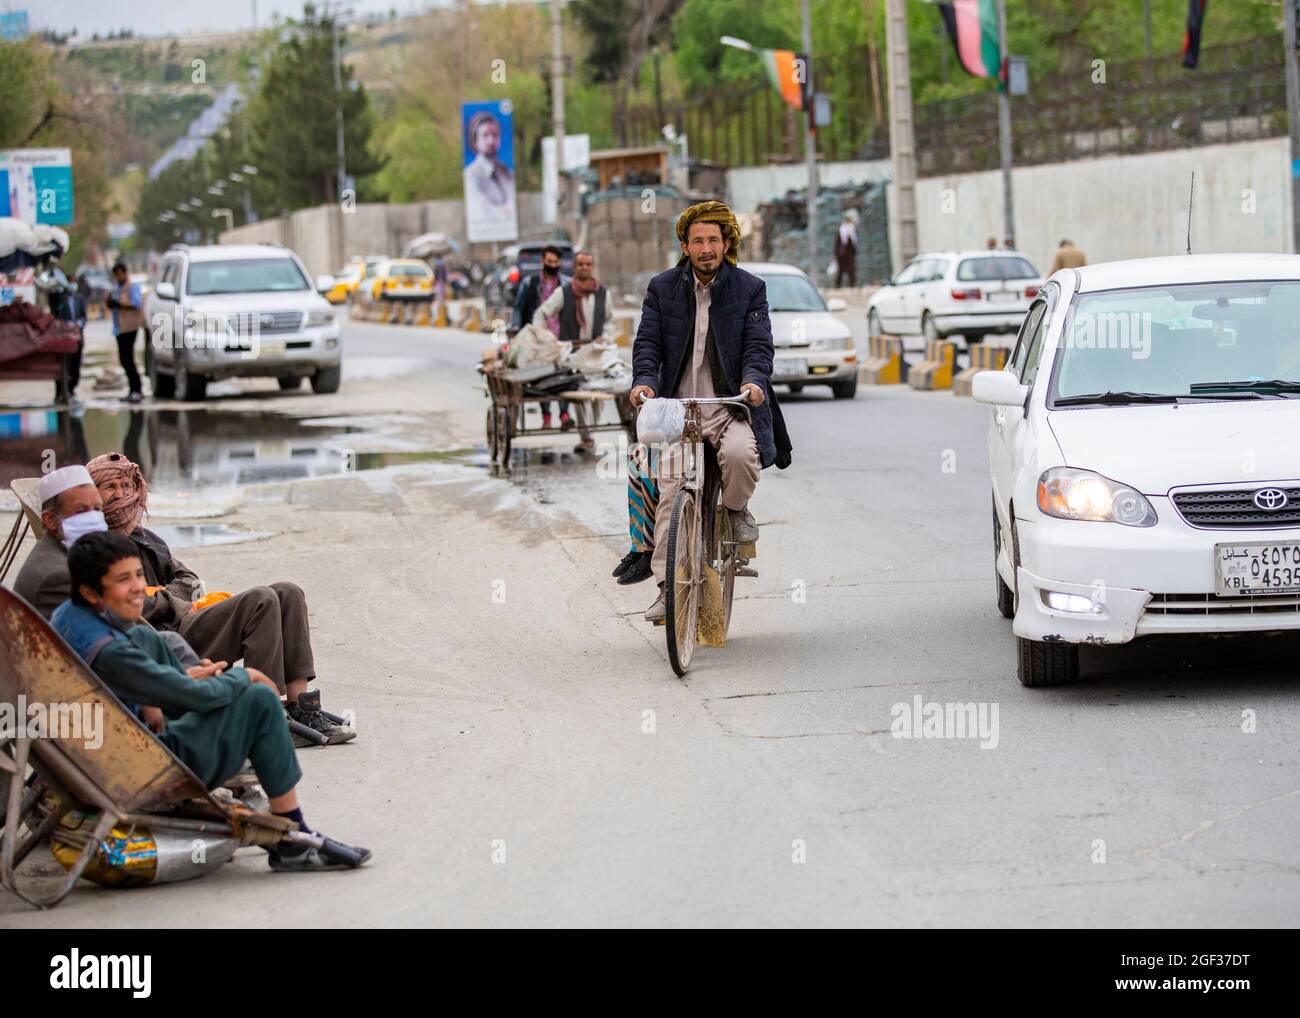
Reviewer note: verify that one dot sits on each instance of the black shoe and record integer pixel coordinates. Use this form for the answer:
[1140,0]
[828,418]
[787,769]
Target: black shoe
[135,397]
[311,860]
[626,561]
[637,571]
[307,711]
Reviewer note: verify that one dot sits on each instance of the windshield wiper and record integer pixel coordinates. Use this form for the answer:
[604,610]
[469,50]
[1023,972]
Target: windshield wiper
[1248,385]
[1114,398]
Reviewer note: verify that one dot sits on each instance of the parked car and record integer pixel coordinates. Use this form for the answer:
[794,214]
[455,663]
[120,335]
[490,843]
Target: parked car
[517,263]
[346,281]
[238,311]
[1142,480]
[945,293]
[400,279]
[813,347]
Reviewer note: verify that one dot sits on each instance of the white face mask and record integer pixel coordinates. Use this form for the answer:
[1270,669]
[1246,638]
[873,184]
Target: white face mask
[89,522]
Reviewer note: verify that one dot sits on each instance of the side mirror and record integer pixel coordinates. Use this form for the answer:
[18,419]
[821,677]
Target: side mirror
[837,304]
[167,291]
[998,388]
[324,283]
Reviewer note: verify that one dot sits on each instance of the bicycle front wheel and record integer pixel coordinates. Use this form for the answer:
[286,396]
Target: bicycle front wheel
[684,574]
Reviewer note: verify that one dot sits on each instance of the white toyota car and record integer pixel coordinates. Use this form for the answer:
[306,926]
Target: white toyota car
[1144,456]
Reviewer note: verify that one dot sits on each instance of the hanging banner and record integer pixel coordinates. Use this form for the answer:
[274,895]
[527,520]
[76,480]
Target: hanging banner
[973,28]
[36,185]
[490,209]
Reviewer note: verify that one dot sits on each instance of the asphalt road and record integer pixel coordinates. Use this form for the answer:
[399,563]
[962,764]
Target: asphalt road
[528,757]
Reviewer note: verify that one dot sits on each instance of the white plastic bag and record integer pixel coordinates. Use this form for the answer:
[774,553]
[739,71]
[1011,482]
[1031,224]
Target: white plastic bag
[660,422]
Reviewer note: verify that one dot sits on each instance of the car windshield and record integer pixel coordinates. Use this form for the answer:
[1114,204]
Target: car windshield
[245,275]
[1179,340]
[792,293]
[994,267]
[409,270]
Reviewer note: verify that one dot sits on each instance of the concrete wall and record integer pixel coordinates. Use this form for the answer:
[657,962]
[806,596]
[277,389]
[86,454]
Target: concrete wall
[376,228]
[749,186]
[1120,207]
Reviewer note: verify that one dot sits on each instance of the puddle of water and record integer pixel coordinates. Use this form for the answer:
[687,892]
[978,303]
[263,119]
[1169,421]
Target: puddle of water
[196,461]
[204,535]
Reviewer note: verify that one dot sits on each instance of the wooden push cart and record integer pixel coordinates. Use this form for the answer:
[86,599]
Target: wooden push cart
[510,391]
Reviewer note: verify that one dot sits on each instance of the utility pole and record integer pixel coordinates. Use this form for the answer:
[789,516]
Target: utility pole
[810,149]
[557,94]
[1293,116]
[1004,131]
[902,140]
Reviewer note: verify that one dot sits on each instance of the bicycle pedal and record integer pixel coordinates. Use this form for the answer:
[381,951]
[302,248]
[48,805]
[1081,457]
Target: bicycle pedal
[746,571]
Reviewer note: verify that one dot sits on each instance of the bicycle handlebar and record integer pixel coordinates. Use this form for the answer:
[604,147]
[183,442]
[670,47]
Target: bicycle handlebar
[741,400]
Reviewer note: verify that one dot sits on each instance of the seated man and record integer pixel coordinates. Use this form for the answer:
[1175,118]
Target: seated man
[705,332]
[215,719]
[251,625]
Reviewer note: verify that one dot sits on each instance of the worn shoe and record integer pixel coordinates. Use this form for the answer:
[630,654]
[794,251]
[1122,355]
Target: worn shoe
[135,397]
[307,711]
[311,860]
[744,530]
[546,420]
[638,570]
[626,561]
[655,613]
[566,422]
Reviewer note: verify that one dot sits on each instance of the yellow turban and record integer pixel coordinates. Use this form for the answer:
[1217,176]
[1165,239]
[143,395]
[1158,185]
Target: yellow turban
[713,212]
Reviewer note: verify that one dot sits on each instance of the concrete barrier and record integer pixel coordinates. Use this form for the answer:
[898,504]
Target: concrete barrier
[884,363]
[982,358]
[936,369]
[472,320]
[440,320]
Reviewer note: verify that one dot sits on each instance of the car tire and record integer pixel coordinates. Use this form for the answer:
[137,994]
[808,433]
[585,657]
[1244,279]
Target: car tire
[974,338]
[873,323]
[161,386]
[291,383]
[1006,597]
[929,331]
[845,390]
[1043,664]
[188,386]
[327,380]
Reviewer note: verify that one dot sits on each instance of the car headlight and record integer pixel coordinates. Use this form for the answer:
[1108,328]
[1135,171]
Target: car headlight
[320,318]
[1070,494]
[834,343]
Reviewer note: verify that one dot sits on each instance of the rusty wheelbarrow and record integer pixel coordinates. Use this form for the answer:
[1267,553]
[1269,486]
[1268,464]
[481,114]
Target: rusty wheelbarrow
[130,806]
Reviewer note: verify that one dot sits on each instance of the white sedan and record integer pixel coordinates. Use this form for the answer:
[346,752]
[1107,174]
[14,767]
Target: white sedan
[945,293]
[813,346]
[1145,473]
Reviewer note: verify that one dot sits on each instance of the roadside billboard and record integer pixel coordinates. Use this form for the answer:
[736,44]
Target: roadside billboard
[36,185]
[491,212]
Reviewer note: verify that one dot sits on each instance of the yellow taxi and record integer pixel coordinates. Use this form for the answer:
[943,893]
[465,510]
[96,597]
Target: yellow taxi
[401,279]
[346,281]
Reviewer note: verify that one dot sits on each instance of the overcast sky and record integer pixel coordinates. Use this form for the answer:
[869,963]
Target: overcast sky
[168,17]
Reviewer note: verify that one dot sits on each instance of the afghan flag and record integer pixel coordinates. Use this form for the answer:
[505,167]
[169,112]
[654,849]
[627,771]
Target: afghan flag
[1192,36]
[788,71]
[973,27]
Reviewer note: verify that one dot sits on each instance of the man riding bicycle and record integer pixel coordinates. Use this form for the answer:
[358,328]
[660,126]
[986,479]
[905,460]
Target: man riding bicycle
[705,332]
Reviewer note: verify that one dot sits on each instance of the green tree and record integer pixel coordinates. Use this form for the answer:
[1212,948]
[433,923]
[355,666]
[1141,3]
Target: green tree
[292,120]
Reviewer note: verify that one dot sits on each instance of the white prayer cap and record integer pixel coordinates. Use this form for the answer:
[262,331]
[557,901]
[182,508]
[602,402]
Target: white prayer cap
[56,482]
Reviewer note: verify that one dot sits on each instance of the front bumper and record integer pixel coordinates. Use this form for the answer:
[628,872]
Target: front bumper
[292,353]
[823,366]
[1138,581]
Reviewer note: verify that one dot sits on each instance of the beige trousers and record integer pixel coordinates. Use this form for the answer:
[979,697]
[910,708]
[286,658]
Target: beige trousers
[733,439]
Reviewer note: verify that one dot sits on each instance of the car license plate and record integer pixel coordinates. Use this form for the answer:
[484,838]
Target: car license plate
[790,366]
[1000,296]
[270,350]
[1264,568]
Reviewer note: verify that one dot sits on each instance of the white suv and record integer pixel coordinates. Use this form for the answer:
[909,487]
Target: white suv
[942,293]
[1146,477]
[237,311]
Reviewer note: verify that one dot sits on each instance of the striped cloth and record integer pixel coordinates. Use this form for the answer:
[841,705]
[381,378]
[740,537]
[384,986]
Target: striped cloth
[642,496]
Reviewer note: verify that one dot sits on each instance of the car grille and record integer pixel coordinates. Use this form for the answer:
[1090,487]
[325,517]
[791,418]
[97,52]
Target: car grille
[265,323]
[1214,604]
[1233,509]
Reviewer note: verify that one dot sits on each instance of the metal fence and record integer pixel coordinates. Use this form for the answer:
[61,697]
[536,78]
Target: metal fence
[1237,94]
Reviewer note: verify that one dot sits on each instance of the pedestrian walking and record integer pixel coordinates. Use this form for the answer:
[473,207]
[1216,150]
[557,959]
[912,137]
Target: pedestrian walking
[846,250]
[127,304]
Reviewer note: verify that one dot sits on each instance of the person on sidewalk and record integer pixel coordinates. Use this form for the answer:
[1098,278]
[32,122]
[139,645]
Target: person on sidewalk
[583,310]
[1067,257]
[266,626]
[846,250]
[704,332]
[211,717]
[533,291]
[127,304]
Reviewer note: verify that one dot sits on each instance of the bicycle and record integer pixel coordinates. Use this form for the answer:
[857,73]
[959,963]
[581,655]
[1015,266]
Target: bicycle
[698,543]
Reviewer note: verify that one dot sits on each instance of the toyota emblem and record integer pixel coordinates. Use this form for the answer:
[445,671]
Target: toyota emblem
[270,320]
[1270,499]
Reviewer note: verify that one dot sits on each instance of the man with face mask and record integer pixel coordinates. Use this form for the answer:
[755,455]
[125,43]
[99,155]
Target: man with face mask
[533,293]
